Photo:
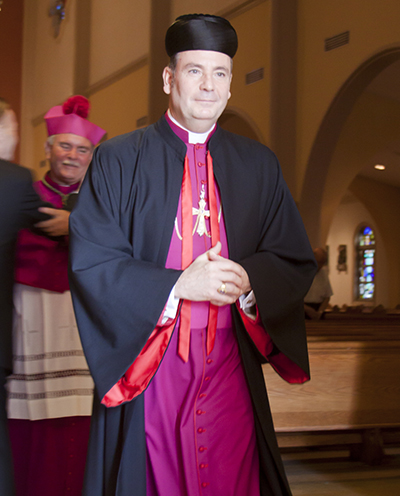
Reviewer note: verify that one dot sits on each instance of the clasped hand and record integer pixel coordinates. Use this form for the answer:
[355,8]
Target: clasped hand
[205,275]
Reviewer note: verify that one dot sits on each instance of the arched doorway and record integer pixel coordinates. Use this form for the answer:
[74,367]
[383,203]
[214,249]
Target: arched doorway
[361,127]
[317,203]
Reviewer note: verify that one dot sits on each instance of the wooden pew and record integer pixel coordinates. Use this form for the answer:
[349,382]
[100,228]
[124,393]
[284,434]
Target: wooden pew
[354,393]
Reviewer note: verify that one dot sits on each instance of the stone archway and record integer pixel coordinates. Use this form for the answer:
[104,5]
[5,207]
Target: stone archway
[311,199]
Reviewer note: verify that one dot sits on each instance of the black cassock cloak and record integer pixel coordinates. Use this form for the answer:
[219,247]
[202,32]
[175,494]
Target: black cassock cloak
[120,234]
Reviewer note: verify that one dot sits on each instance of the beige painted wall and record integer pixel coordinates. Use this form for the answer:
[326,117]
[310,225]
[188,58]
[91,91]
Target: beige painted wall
[40,165]
[180,7]
[53,71]
[373,27]
[47,70]
[117,107]
[253,31]
[120,34]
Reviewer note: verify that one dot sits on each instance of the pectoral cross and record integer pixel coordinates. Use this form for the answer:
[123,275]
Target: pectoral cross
[201,212]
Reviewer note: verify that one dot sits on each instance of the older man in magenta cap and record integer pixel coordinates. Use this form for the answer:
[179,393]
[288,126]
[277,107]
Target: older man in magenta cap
[50,390]
[189,263]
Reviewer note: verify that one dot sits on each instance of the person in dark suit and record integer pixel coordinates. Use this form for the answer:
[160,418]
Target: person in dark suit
[19,204]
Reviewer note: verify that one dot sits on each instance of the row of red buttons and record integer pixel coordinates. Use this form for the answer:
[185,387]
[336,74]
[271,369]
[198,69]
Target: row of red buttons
[200,430]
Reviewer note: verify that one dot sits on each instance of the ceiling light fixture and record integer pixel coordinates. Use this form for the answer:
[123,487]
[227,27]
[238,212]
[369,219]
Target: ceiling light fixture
[379,167]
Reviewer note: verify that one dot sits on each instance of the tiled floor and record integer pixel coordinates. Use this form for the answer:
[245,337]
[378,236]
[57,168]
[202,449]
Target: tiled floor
[332,474]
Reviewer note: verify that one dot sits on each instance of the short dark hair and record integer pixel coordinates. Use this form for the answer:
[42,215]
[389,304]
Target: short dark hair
[173,61]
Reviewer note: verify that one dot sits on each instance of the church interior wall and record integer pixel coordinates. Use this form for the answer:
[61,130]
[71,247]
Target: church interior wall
[373,124]
[52,76]
[118,75]
[126,25]
[236,121]
[350,214]
[47,71]
[383,203]
[253,98]
[118,107]
[39,157]
[180,7]
[373,26]
[120,35]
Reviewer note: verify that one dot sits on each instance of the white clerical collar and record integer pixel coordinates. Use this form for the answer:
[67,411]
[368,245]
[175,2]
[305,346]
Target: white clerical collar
[193,138]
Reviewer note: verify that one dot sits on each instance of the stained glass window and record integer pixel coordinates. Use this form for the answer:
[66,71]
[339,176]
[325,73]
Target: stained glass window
[365,247]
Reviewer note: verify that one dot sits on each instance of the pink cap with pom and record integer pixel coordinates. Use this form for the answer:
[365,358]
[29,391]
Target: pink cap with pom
[71,118]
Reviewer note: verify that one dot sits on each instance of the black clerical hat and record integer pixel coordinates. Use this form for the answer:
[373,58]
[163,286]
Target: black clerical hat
[201,32]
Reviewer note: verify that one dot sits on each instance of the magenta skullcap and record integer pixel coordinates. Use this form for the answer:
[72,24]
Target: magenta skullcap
[71,118]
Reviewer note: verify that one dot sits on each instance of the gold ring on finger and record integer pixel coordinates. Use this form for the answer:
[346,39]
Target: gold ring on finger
[222,289]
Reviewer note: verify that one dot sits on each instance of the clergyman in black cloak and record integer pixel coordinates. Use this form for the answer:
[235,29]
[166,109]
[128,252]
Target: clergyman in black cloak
[189,264]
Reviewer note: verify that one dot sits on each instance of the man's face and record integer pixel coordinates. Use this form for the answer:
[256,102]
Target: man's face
[199,88]
[69,157]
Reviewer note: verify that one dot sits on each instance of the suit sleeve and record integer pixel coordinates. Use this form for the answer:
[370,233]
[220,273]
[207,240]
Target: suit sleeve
[110,288]
[30,203]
